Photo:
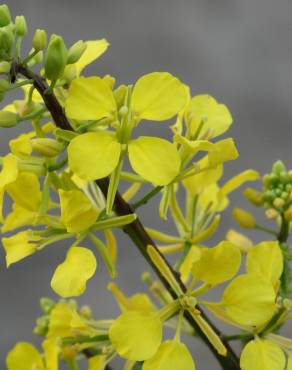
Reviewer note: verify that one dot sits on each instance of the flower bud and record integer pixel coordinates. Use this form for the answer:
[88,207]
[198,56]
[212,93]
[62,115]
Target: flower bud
[76,51]
[5,67]
[6,40]
[271,214]
[244,218]
[39,41]
[278,203]
[20,26]
[86,312]
[56,58]
[47,147]
[120,94]
[278,167]
[253,196]
[8,119]
[69,73]
[47,304]
[288,214]
[5,17]
[4,86]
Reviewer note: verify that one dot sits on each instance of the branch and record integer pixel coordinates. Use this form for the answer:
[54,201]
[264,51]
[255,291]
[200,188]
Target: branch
[135,230]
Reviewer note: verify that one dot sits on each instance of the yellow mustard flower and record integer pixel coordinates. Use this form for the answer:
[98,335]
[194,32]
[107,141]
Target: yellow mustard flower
[24,356]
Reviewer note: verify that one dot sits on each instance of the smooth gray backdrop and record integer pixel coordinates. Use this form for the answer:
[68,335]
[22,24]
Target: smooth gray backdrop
[237,50]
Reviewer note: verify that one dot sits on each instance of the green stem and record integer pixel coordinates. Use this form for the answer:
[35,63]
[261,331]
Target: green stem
[147,197]
[33,115]
[30,56]
[266,230]
[241,336]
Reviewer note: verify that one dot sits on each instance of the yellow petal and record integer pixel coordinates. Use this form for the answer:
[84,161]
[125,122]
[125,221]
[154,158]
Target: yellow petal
[262,354]
[25,191]
[94,49]
[225,150]
[70,277]
[138,302]
[217,264]
[171,355]
[9,171]
[51,352]
[238,180]
[90,98]
[17,218]
[206,118]
[249,300]
[193,256]
[195,146]
[156,160]
[19,246]
[135,335]
[77,212]
[66,322]
[265,259]
[94,155]
[158,96]
[197,183]
[97,362]
[21,145]
[24,356]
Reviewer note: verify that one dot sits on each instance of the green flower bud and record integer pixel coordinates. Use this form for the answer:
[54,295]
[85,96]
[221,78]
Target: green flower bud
[278,203]
[5,67]
[39,41]
[46,304]
[288,187]
[266,180]
[5,17]
[6,40]
[56,58]
[69,73]
[4,86]
[20,26]
[288,214]
[76,51]
[47,147]
[284,195]
[278,167]
[253,196]
[271,214]
[86,312]
[8,119]
[244,218]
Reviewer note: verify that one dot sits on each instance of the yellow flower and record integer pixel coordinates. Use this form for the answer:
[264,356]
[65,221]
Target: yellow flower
[171,355]
[20,245]
[206,118]
[77,212]
[51,353]
[70,277]
[262,354]
[24,356]
[136,335]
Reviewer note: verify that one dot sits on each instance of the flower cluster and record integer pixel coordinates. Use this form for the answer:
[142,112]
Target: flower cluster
[77,144]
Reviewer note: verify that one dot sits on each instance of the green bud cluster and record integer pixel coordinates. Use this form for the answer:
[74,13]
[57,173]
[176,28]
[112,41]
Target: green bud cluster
[277,190]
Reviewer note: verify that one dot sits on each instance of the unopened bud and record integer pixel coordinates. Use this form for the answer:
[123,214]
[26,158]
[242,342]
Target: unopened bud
[76,51]
[5,17]
[69,73]
[4,86]
[47,304]
[120,94]
[244,218]
[288,214]
[253,196]
[109,80]
[6,40]
[39,41]
[241,241]
[47,147]
[278,202]
[278,167]
[86,312]
[5,67]
[56,58]
[20,26]
[8,119]
[271,214]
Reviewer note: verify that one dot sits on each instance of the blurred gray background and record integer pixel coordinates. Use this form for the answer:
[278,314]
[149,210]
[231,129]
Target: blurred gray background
[237,50]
